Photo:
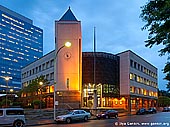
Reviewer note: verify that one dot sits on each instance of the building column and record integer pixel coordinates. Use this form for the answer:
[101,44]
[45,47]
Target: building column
[129,104]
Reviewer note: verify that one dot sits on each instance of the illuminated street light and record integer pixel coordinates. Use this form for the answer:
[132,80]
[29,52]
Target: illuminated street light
[67,44]
[40,83]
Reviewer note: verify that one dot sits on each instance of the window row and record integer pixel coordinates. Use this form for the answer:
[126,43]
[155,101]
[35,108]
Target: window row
[142,69]
[39,68]
[145,81]
[142,91]
[49,77]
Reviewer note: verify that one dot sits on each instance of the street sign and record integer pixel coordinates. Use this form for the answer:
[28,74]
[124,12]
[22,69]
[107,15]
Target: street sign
[56,102]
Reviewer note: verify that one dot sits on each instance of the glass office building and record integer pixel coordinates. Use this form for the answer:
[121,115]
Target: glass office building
[105,76]
[20,44]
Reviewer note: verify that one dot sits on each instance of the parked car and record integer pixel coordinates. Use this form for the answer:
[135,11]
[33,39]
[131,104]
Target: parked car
[12,116]
[107,114]
[166,109]
[74,116]
[151,110]
[141,111]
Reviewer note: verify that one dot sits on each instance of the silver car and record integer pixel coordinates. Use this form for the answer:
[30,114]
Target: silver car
[12,116]
[74,116]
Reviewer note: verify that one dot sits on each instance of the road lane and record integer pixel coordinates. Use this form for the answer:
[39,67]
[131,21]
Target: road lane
[160,119]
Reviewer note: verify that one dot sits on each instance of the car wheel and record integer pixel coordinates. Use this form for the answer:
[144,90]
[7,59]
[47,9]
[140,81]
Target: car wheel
[85,118]
[18,123]
[107,117]
[68,120]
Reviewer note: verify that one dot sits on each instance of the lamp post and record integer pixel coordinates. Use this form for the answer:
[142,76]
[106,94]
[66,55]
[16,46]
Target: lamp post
[67,44]
[6,79]
[40,83]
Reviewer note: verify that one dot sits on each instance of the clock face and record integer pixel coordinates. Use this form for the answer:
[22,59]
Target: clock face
[67,55]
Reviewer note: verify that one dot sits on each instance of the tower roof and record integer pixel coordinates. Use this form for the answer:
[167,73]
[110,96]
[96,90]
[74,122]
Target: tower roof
[68,16]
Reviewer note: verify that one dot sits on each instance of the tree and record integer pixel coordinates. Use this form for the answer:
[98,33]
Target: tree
[163,101]
[163,93]
[156,14]
[34,89]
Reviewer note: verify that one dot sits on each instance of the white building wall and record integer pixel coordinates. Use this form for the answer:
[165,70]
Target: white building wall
[48,59]
[126,69]
[124,74]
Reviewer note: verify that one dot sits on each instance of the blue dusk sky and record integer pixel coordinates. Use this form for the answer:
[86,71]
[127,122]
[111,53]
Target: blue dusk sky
[117,22]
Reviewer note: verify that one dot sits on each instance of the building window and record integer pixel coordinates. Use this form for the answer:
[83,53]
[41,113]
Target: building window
[132,89]
[43,66]
[47,65]
[105,88]
[135,77]
[30,72]
[33,71]
[138,78]
[137,90]
[135,65]
[39,68]
[141,68]
[131,76]
[47,76]
[51,76]
[36,69]
[138,66]
[52,63]
[141,91]
[131,63]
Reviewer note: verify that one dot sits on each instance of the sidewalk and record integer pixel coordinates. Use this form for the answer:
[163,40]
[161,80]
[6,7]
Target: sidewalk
[38,120]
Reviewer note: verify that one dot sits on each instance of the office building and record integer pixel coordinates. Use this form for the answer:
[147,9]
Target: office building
[124,80]
[138,82]
[104,73]
[20,44]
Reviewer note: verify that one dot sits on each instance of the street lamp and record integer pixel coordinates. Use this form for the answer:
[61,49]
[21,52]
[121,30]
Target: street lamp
[67,44]
[6,79]
[40,83]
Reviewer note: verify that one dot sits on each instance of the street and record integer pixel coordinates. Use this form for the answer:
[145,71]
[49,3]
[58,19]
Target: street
[161,119]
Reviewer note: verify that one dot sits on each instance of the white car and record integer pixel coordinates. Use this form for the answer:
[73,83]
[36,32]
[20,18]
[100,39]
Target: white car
[74,116]
[12,116]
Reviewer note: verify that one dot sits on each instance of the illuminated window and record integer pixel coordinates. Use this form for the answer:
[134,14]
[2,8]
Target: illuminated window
[138,78]
[132,89]
[141,91]
[131,76]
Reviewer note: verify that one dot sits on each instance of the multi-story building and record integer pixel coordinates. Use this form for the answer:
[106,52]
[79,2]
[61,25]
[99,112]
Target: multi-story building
[62,65]
[20,44]
[124,80]
[103,75]
[138,82]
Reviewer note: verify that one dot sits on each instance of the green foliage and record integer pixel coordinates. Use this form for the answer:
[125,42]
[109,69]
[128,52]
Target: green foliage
[163,101]
[156,14]
[3,102]
[163,93]
[34,87]
[36,102]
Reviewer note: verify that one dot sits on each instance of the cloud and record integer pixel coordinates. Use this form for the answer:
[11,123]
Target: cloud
[118,26]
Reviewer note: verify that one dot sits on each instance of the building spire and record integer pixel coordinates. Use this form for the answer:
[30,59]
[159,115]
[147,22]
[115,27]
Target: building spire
[68,16]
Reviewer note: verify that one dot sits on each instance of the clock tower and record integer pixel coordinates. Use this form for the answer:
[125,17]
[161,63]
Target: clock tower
[68,60]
